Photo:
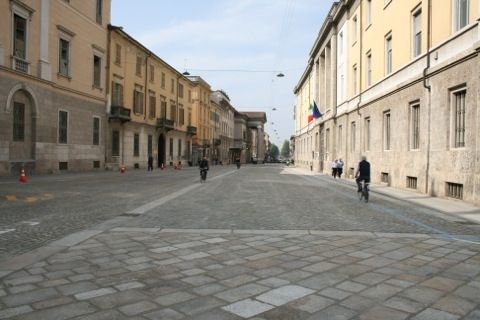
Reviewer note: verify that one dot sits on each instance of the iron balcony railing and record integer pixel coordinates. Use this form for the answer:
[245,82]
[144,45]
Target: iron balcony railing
[120,113]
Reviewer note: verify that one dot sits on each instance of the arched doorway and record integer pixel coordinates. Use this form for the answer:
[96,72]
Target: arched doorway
[23,113]
[161,150]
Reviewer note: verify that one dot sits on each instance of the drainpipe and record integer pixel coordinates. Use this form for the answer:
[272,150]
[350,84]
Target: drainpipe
[429,94]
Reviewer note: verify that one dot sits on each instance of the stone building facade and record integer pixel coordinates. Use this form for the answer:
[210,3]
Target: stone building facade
[52,85]
[404,97]
[150,110]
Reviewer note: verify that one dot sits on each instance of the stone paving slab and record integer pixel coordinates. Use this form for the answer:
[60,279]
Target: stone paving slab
[150,274]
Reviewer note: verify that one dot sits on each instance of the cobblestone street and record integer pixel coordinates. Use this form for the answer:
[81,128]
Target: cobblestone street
[262,242]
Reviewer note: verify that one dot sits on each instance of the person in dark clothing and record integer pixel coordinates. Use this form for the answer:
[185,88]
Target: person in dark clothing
[203,164]
[362,173]
[150,162]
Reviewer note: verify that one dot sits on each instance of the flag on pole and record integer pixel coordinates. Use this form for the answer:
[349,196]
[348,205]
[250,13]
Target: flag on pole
[316,113]
[310,113]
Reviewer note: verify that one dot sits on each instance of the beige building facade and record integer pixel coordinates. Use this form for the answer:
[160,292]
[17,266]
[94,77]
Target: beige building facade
[52,85]
[225,127]
[201,115]
[396,81]
[150,109]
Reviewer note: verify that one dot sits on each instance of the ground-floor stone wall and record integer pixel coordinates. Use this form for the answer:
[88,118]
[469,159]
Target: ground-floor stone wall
[39,146]
[383,131]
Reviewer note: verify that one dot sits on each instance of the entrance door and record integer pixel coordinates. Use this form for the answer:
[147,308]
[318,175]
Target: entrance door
[22,143]
[161,150]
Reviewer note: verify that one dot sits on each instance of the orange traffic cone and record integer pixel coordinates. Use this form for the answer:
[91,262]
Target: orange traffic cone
[123,169]
[23,176]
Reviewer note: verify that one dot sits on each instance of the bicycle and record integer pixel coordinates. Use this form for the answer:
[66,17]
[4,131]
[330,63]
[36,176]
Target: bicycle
[363,193]
[203,175]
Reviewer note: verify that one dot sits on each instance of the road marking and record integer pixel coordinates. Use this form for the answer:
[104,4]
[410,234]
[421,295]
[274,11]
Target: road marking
[6,231]
[11,198]
[31,199]
[151,205]
[32,223]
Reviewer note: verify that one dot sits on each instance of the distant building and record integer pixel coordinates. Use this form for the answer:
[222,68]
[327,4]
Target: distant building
[255,122]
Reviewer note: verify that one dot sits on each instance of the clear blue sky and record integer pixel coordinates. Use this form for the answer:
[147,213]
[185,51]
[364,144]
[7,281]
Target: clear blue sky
[252,35]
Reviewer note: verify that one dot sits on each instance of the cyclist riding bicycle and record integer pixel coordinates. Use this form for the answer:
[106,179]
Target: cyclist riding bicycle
[204,168]
[362,173]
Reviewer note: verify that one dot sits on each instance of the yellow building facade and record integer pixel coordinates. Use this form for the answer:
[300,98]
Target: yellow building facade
[201,106]
[395,81]
[52,85]
[150,107]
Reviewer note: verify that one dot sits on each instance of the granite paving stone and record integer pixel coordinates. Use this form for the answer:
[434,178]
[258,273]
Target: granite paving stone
[29,297]
[283,295]
[63,312]
[137,308]
[433,314]
[381,312]
[94,293]
[173,298]
[198,305]
[241,292]
[247,308]
[312,303]
[164,314]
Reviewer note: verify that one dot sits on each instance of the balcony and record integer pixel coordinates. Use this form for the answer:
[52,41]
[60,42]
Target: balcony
[20,64]
[119,113]
[217,142]
[165,124]
[206,143]
[191,130]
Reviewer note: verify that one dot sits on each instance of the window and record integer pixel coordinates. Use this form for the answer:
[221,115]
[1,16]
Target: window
[62,126]
[138,100]
[355,29]
[386,130]
[20,37]
[162,82]
[369,69]
[189,118]
[64,57]
[136,145]
[171,148]
[96,131]
[181,115]
[353,136]
[415,126]
[340,43]
[138,66]
[152,104]
[340,138]
[461,12]
[150,144]
[458,109]
[152,73]
[327,141]
[97,67]
[454,190]
[18,121]
[115,143]
[179,148]
[163,107]
[180,90]
[417,33]
[189,95]
[117,94]
[118,54]
[369,12]
[367,134]
[388,54]
[172,82]
[354,79]
[98,12]
[173,110]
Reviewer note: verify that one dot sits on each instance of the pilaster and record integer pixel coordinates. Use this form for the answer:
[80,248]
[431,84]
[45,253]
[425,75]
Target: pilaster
[45,71]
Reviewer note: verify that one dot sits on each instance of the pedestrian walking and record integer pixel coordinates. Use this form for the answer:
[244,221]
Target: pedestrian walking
[150,162]
[334,168]
[340,168]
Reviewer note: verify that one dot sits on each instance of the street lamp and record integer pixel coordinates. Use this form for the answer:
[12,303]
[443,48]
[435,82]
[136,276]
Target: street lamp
[280,75]
[186,73]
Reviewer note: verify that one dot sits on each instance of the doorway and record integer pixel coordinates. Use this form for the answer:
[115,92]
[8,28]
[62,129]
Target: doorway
[161,150]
